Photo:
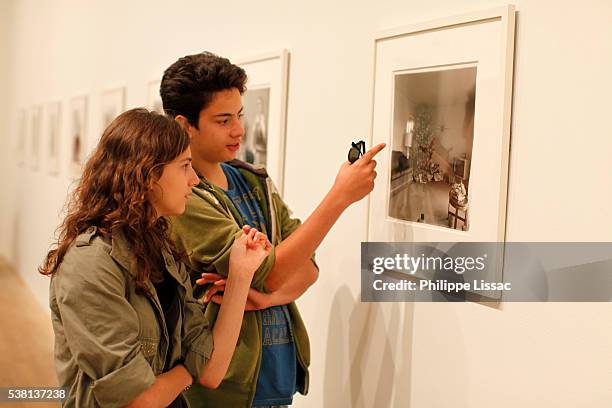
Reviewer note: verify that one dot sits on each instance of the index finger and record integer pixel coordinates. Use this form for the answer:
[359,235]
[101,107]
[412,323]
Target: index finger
[369,155]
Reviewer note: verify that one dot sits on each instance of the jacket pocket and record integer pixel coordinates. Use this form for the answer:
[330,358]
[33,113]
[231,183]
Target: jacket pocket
[149,347]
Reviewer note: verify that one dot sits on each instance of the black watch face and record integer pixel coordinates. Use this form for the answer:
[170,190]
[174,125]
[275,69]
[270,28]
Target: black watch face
[353,155]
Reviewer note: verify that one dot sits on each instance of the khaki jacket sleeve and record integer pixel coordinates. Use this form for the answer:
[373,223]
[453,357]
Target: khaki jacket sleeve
[101,327]
[206,233]
[197,339]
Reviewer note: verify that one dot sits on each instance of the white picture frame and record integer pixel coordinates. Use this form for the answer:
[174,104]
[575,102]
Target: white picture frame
[22,136]
[35,131]
[112,104]
[77,140]
[267,85]
[53,139]
[484,40]
[154,101]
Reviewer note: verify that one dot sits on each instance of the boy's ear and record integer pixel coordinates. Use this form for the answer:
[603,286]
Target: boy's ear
[182,120]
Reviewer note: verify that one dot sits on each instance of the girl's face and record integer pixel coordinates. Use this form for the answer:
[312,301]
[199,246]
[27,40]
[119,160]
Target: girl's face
[170,193]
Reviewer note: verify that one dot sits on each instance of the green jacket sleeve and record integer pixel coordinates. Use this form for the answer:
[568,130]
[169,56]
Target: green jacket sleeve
[197,339]
[101,327]
[287,224]
[206,232]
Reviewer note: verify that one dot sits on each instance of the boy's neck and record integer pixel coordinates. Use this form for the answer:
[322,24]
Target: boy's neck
[212,171]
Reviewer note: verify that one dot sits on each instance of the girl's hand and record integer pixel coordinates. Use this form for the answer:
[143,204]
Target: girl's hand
[258,238]
[248,252]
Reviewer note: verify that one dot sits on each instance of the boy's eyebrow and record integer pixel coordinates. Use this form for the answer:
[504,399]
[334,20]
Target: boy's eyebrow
[186,159]
[220,115]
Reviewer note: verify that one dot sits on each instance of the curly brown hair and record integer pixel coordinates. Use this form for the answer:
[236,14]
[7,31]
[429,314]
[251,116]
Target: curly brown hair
[112,192]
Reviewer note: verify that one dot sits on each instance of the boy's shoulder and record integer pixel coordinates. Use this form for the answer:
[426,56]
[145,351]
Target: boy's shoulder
[256,169]
[255,175]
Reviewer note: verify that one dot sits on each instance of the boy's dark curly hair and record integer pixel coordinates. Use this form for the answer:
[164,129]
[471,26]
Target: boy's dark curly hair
[189,84]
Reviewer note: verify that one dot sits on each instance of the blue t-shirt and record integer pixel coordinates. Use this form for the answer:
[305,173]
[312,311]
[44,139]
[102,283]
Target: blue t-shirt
[276,383]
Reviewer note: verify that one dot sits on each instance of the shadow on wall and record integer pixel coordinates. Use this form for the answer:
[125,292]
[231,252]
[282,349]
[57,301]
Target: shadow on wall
[369,361]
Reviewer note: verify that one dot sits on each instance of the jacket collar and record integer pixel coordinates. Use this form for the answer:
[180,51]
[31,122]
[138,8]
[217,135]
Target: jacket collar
[120,249]
[258,170]
[120,252]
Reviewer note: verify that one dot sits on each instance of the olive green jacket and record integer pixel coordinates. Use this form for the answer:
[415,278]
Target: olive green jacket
[206,232]
[111,342]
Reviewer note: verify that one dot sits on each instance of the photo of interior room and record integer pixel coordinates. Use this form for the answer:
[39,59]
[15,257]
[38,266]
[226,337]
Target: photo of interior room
[433,132]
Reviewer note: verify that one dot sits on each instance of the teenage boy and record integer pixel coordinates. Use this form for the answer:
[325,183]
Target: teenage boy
[204,93]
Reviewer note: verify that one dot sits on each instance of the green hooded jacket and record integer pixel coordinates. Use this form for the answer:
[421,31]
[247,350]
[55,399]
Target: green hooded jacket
[206,232]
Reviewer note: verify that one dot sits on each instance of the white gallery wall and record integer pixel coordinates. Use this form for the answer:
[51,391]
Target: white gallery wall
[364,355]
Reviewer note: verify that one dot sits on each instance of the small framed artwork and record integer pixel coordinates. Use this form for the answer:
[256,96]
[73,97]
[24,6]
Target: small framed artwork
[35,137]
[442,102]
[54,135]
[77,121]
[265,112]
[22,135]
[154,101]
[112,104]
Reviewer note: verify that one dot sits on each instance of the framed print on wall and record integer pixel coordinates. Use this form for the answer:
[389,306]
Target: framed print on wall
[77,121]
[154,101]
[442,102]
[112,103]
[53,139]
[265,112]
[35,137]
[22,135]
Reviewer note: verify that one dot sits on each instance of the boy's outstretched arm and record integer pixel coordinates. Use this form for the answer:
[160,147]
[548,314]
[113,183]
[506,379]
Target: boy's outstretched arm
[353,182]
[293,271]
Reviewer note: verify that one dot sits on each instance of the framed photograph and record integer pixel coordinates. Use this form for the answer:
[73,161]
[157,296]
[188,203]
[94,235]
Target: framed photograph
[432,143]
[265,113]
[77,121]
[54,135]
[442,102]
[35,137]
[22,135]
[112,104]
[154,101]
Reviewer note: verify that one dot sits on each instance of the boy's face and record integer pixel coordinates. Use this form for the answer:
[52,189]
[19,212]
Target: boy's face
[220,128]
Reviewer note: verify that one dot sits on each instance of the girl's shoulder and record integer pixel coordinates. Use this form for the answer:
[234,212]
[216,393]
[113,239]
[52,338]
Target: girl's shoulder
[93,259]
